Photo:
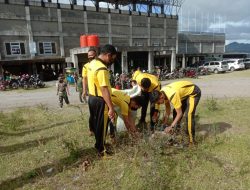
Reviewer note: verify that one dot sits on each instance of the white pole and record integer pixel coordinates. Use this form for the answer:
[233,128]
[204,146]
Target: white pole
[181,27]
[208,21]
[214,24]
[201,21]
[195,20]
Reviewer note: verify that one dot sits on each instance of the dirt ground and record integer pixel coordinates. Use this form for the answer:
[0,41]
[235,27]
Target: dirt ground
[234,84]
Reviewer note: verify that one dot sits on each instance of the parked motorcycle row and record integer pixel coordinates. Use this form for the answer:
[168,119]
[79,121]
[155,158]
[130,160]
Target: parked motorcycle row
[183,72]
[24,81]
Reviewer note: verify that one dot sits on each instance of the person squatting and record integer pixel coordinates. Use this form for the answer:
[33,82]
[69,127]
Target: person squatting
[106,103]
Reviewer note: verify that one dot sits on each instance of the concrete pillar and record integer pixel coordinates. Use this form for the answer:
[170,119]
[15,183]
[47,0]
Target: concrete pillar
[173,60]
[213,48]
[150,61]
[130,31]
[109,29]
[59,15]
[200,47]
[149,32]
[29,30]
[85,19]
[124,62]
[165,32]
[183,61]
[75,61]
[193,60]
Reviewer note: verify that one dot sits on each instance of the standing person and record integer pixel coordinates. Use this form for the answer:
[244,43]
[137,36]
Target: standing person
[100,104]
[184,96]
[75,76]
[91,56]
[62,91]
[148,83]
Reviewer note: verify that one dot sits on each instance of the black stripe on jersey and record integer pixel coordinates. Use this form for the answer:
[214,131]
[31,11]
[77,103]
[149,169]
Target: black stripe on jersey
[188,86]
[171,97]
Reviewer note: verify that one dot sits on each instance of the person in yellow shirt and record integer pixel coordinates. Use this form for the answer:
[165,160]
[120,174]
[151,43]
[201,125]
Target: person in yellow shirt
[148,83]
[91,56]
[184,96]
[100,104]
[123,105]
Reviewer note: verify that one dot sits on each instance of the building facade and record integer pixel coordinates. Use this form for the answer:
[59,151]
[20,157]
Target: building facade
[40,37]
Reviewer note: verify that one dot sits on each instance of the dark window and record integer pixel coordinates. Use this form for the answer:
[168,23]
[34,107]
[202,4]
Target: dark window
[47,48]
[217,63]
[15,48]
[22,48]
[8,50]
[212,63]
[53,48]
[41,48]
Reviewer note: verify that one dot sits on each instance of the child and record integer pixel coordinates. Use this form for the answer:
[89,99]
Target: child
[62,91]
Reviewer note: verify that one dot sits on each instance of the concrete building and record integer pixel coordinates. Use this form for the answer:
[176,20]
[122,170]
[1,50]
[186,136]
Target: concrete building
[40,37]
[38,34]
[196,46]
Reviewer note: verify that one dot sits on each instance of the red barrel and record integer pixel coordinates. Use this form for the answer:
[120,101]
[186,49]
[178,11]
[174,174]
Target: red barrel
[83,41]
[93,40]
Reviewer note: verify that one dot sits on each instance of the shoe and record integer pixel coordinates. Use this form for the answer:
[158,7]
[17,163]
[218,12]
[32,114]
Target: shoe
[104,155]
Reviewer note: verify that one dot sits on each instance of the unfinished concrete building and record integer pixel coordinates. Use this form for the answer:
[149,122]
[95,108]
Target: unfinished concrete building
[37,36]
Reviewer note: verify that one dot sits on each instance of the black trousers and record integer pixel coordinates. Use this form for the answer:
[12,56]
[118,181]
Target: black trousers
[189,107]
[98,121]
[145,96]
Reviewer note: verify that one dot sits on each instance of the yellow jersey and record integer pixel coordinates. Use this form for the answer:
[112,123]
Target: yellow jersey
[85,70]
[155,84]
[121,100]
[98,76]
[178,91]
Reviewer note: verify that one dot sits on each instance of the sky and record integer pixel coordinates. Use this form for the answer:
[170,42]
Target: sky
[229,16]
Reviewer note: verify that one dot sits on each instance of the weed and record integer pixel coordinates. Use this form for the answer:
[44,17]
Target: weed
[72,148]
[12,121]
[212,104]
[42,107]
[31,174]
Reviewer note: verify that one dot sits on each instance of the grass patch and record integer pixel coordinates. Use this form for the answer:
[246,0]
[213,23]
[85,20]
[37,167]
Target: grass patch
[55,152]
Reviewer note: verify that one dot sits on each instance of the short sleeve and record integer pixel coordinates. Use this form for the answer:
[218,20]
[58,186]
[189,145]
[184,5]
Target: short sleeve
[124,108]
[103,78]
[84,71]
[176,100]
